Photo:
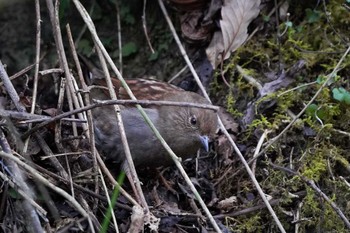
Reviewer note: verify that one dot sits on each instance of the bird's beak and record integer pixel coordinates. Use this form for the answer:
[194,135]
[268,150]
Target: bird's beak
[205,142]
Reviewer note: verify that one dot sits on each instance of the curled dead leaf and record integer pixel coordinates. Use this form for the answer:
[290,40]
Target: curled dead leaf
[236,16]
[227,204]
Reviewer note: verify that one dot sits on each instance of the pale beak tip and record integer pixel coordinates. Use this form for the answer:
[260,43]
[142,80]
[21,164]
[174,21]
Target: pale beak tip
[205,142]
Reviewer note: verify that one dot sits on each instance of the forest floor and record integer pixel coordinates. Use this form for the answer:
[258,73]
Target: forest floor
[284,97]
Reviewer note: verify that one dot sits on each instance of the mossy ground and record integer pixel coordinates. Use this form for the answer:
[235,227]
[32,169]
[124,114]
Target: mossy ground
[316,146]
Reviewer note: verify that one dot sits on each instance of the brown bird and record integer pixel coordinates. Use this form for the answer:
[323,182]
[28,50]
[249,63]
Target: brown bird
[185,129]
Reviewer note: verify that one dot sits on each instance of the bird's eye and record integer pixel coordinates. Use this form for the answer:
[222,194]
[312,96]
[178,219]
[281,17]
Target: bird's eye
[193,120]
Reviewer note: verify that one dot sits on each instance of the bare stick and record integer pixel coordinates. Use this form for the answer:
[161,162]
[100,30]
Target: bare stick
[222,127]
[112,102]
[54,17]
[325,83]
[144,25]
[130,170]
[312,184]
[44,181]
[91,27]
[37,56]
[18,176]
[23,194]
[119,31]
[30,215]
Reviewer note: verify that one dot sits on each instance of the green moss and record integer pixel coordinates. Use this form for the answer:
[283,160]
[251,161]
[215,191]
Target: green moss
[230,105]
[261,123]
[286,101]
[314,163]
[245,224]
[317,144]
[315,168]
[319,214]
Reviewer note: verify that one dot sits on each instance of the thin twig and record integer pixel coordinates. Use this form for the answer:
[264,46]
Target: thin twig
[23,194]
[34,173]
[144,25]
[49,154]
[120,124]
[30,215]
[109,201]
[51,71]
[78,187]
[331,75]
[83,29]
[20,73]
[201,87]
[250,210]
[222,127]
[36,69]
[91,27]
[178,74]
[25,116]
[87,128]
[258,147]
[103,51]
[18,176]
[119,31]
[54,18]
[312,184]
[119,102]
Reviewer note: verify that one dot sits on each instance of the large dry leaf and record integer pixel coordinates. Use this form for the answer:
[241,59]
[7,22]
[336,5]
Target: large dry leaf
[236,16]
